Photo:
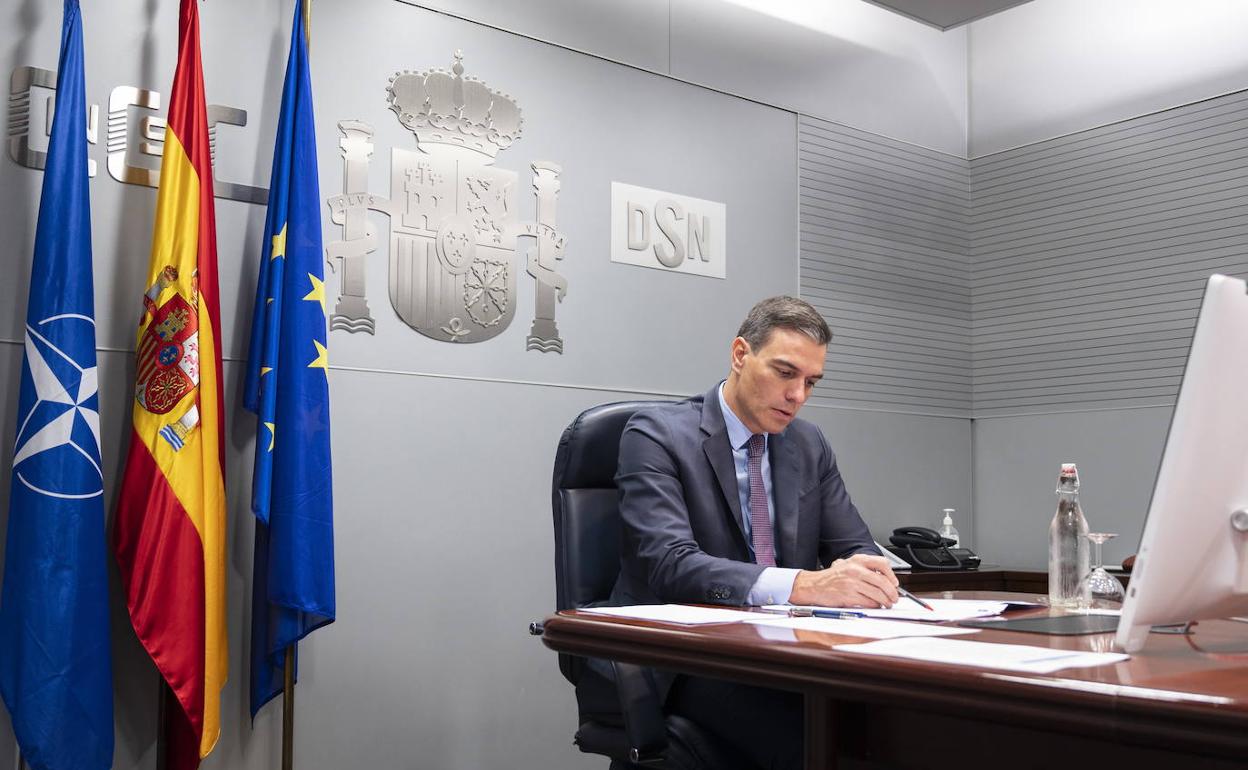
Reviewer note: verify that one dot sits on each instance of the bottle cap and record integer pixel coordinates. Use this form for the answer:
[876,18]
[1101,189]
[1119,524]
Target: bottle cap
[1069,474]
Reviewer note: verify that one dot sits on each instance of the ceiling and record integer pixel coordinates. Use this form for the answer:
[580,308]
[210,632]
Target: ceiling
[946,14]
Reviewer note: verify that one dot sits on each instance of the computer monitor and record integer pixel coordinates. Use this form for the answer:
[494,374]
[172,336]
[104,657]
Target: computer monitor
[1193,558]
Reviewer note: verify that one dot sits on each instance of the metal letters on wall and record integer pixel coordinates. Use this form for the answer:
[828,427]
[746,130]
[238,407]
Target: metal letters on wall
[124,147]
[22,84]
[454,229]
[666,231]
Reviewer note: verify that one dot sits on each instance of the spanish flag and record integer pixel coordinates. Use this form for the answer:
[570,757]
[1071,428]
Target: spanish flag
[169,531]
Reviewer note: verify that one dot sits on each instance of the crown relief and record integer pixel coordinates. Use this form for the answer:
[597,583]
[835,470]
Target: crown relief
[446,108]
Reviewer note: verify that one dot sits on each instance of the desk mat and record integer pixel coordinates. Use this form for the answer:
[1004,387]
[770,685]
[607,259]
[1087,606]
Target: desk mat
[1058,625]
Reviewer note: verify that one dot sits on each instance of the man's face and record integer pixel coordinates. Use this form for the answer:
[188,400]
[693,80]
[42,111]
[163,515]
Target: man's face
[771,383]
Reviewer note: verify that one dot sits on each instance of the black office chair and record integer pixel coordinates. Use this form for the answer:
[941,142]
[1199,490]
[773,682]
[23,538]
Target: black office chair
[620,715]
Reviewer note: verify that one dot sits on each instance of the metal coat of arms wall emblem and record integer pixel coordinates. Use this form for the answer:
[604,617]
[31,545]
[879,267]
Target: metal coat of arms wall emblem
[454,228]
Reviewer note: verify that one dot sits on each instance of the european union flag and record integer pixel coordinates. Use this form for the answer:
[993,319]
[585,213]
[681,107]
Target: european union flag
[55,655]
[288,389]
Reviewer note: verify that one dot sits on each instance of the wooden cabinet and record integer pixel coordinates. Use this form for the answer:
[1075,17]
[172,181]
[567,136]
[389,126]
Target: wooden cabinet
[983,579]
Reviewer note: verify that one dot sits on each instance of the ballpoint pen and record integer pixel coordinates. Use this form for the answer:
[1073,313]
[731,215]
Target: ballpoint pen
[911,596]
[914,598]
[809,612]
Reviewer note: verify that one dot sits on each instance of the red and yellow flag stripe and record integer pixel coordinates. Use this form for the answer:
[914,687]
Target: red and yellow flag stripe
[169,532]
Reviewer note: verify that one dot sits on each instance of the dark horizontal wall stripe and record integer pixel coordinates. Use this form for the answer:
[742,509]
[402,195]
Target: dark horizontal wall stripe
[846,139]
[1155,151]
[1149,266]
[1137,183]
[903,227]
[1089,255]
[825,154]
[851,264]
[845,172]
[885,257]
[824,191]
[901,317]
[895,289]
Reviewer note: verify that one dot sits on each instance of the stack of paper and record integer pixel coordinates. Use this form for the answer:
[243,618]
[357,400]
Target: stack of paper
[1011,657]
[675,613]
[868,628]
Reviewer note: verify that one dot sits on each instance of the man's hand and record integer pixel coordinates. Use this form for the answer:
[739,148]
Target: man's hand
[859,581]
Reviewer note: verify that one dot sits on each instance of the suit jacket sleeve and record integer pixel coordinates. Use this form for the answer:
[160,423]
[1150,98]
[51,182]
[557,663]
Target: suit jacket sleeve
[843,533]
[660,549]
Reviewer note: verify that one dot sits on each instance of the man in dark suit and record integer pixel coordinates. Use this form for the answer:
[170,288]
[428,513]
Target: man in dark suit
[728,498]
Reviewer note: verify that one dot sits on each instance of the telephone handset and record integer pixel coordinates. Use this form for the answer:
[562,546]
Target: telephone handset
[924,548]
[919,537]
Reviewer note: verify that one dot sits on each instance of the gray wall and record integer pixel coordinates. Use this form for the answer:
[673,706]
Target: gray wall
[901,468]
[1016,465]
[851,62]
[1055,67]
[1089,257]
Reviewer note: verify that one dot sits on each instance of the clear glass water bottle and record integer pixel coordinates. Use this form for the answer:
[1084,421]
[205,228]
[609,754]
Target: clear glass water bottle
[1068,544]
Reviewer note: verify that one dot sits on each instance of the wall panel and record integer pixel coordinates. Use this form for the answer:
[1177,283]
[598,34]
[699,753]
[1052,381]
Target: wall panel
[1089,255]
[884,242]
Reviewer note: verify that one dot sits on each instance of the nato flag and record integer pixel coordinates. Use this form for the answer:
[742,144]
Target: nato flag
[55,657]
[287,387]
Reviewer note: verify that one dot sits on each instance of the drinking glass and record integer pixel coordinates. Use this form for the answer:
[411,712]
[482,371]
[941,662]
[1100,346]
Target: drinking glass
[1104,589]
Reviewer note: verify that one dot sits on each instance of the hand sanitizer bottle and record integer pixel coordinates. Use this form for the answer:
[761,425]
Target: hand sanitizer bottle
[948,530]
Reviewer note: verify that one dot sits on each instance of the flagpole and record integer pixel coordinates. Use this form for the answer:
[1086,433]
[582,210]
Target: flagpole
[288,673]
[288,711]
[162,746]
[307,24]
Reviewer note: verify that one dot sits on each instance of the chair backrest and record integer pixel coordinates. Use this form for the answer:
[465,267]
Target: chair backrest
[586,508]
[618,708]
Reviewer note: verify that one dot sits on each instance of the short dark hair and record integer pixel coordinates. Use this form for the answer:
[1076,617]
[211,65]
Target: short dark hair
[783,313]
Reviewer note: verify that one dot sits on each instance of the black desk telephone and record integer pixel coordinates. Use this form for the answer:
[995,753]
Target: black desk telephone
[924,548]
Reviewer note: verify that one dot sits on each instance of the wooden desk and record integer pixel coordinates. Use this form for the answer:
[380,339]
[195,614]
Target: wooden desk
[1168,706]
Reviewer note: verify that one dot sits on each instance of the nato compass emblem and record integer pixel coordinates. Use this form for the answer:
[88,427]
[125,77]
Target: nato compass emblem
[454,229]
[58,433]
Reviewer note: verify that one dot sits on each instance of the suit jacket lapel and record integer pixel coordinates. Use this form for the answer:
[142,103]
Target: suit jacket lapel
[784,483]
[719,454]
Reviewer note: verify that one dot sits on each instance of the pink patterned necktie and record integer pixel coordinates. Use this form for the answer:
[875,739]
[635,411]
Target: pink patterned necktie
[760,521]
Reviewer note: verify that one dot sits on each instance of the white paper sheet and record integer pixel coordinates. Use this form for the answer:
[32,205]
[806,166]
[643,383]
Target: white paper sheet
[675,613]
[907,609]
[1010,657]
[865,627]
